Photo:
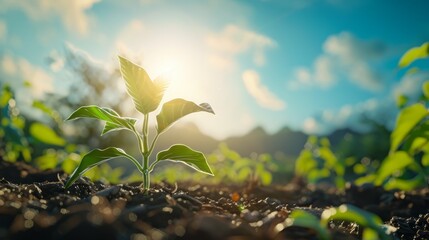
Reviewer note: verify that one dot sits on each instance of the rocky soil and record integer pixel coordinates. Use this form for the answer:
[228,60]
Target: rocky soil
[35,205]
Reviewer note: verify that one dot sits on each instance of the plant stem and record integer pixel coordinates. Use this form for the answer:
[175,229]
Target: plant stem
[146,154]
[146,180]
[145,133]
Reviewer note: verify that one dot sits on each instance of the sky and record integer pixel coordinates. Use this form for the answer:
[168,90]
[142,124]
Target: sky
[312,65]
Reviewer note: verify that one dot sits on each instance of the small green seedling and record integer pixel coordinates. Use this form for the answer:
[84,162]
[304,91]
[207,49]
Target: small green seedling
[372,225]
[146,95]
[301,218]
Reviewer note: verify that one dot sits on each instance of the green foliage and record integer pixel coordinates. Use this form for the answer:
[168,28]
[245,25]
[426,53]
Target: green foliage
[175,109]
[406,165]
[301,218]
[372,225]
[184,154]
[240,169]
[45,134]
[41,144]
[401,101]
[407,120]
[318,163]
[13,141]
[395,162]
[113,120]
[228,167]
[425,89]
[97,157]
[146,95]
[414,54]
[48,111]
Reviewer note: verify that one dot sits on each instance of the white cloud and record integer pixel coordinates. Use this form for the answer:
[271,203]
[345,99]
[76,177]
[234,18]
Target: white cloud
[234,40]
[323,72]
[354,55]
[56,61]
[310,126]
[261,93]
[71,13]
[344,56]
[16,71]
[8,65]
[383,111]
[410,85]
[3,30]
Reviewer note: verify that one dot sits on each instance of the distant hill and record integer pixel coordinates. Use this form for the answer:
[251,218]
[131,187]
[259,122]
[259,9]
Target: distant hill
[287,141]
[258,140]
[284,145]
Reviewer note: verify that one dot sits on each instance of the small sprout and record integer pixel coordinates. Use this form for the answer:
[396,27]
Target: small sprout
[301,218]
[146,95]
[372,224]
[373,227]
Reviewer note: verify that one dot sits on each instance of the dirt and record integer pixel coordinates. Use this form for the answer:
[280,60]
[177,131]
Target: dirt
[35,205]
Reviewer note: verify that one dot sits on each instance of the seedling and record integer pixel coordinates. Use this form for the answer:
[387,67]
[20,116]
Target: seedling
[146,95]
[372,225]
[409,141]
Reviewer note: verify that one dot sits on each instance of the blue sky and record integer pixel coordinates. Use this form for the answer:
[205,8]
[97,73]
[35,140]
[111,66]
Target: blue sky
[314,65]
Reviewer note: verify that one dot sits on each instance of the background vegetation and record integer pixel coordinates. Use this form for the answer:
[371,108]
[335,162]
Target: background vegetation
[392,158]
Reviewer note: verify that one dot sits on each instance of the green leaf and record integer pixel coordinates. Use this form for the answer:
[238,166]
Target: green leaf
[369,178]
[425,160]
[414,54]
[46,135]
[417,139]
[302,218]
[351,213]
[146,94]
[47,161]
[175,109]
[112,118]
[5,95]
[369,234]
[425,89]
[408,118]
[49,111]
[70,163]
[182,153]
[96,157]
[394,162]
[111,127]
[405,184]
[305,163]
[266,177]
[401,101]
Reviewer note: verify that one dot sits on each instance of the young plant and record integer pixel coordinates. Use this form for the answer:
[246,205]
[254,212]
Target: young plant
[409,141]
[372,225]
[301,218]
[318,162]
[146,95]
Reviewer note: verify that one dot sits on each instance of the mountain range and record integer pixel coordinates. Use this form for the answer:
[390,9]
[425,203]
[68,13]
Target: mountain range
[286,141]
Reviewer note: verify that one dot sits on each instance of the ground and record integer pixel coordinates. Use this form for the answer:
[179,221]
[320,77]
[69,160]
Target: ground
[35,205]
